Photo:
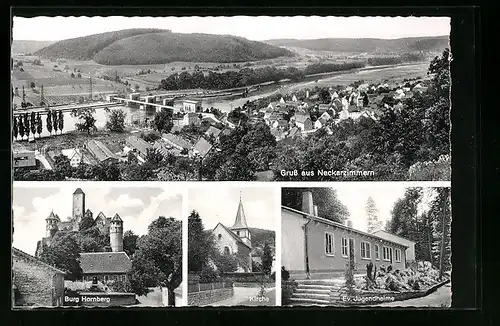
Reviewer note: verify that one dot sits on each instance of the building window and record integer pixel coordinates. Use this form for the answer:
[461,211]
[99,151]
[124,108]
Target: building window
[365,250]
[386,255]
[398,255]
[105,278]
[238,233]
[227,251]
[219,236]
[329,244]
[377,252]
[345,247]
[123,278]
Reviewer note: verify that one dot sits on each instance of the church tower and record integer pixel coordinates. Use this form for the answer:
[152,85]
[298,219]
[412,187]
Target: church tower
[51,225]
[78,204]
[116,234]
[240,226]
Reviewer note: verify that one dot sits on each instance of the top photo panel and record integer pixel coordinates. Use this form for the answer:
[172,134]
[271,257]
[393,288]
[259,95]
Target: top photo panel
[231,98]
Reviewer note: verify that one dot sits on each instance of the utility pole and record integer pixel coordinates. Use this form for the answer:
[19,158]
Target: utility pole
[90,87]
[42,97]
[24,96]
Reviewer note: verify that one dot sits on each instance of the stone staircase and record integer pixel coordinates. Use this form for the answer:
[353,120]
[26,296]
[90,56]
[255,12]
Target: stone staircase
[315,292]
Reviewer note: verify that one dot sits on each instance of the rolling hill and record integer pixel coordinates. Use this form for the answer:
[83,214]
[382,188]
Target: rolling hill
[261,236]
[23,47]
[368,45]
[149,46]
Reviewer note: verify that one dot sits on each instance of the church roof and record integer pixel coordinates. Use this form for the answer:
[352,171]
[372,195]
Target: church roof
[105,262]
[116,218]
[232,234]
[78,191]
[241,221]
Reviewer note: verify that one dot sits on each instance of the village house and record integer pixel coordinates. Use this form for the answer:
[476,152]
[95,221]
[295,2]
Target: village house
[191,119]
[202,148]
[280,124]
[189,106]
[176,141]
[323,108]
[100,152]
[315,247]
[35,282]
[410,252]
[303,122]
[105,266]
[320,123]
[75,156]
[213,132]
[139,146]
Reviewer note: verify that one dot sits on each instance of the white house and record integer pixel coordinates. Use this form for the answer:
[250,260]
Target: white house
[294,98]
[189,105]
[74,155]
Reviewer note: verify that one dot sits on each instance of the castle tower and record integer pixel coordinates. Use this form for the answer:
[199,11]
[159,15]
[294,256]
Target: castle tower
[240,226]
[51,224]
[116,234]
[78,204]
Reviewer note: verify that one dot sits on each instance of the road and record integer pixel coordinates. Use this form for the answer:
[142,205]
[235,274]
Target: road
[242,296]
[44,161]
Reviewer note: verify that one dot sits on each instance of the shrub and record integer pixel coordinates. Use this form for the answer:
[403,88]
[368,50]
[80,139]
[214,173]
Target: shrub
[287,289]
[208,275]
[285,275]
[120,286]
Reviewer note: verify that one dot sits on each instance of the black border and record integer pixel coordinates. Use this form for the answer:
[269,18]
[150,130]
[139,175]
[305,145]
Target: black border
[465,172]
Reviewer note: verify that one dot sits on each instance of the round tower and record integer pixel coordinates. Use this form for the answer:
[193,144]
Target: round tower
[51,225]
[116,234]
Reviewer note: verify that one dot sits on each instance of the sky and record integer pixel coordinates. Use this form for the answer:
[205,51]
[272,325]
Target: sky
[137,207]
[259,205]
[385,196]
[256,28]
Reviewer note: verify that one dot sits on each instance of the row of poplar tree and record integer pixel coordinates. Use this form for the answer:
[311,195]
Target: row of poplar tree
[31,123]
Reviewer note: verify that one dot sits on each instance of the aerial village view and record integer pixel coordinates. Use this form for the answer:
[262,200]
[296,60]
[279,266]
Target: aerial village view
[161,105]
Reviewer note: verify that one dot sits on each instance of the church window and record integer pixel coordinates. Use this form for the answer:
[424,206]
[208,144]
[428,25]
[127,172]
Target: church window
[219,236]
[227,251]
[238,233]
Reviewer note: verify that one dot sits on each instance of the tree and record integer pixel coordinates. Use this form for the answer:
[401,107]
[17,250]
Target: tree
[27,125]
[200,243]
[15,129]
[60,121]
[21,126]
[86,223]
[64,253]
[324,95]
[184,166]
[72,75]
[116,121]
[86,118]
[372,216]
[39,124]
[32,85]
[48,122]
[158,258]
[130,242]
[137,87]
[404,215]
[267,259]
[62,165]
[162,121]
[131,158]
[225,262]
[33,123]
[55,122]
[440,212]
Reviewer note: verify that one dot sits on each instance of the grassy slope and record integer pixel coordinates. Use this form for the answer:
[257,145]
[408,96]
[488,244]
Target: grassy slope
[259,236]
[85,48]
[143,46]
[370,45]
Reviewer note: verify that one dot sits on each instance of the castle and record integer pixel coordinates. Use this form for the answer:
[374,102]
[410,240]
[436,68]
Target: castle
[107,225]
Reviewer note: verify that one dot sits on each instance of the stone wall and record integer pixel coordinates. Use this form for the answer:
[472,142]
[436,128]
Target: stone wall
[207,297]
[252,285]
[37,284]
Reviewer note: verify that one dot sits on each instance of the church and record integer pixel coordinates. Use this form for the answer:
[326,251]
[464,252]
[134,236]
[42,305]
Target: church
[103,266]
[236,240]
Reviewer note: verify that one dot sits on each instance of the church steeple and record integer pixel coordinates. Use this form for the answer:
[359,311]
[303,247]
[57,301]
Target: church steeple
[240,221]
[240,226]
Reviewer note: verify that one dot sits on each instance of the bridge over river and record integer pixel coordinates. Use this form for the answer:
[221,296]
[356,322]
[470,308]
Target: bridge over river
[66,108]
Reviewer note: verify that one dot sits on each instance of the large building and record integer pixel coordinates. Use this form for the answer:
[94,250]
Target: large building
[236,240]
[112,226]
[315,247]
[35,283]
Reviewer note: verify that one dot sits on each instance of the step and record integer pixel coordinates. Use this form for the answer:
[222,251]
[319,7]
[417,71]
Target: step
[313,287]
[310,301]
[319,296]
[301,290]
[320,282]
